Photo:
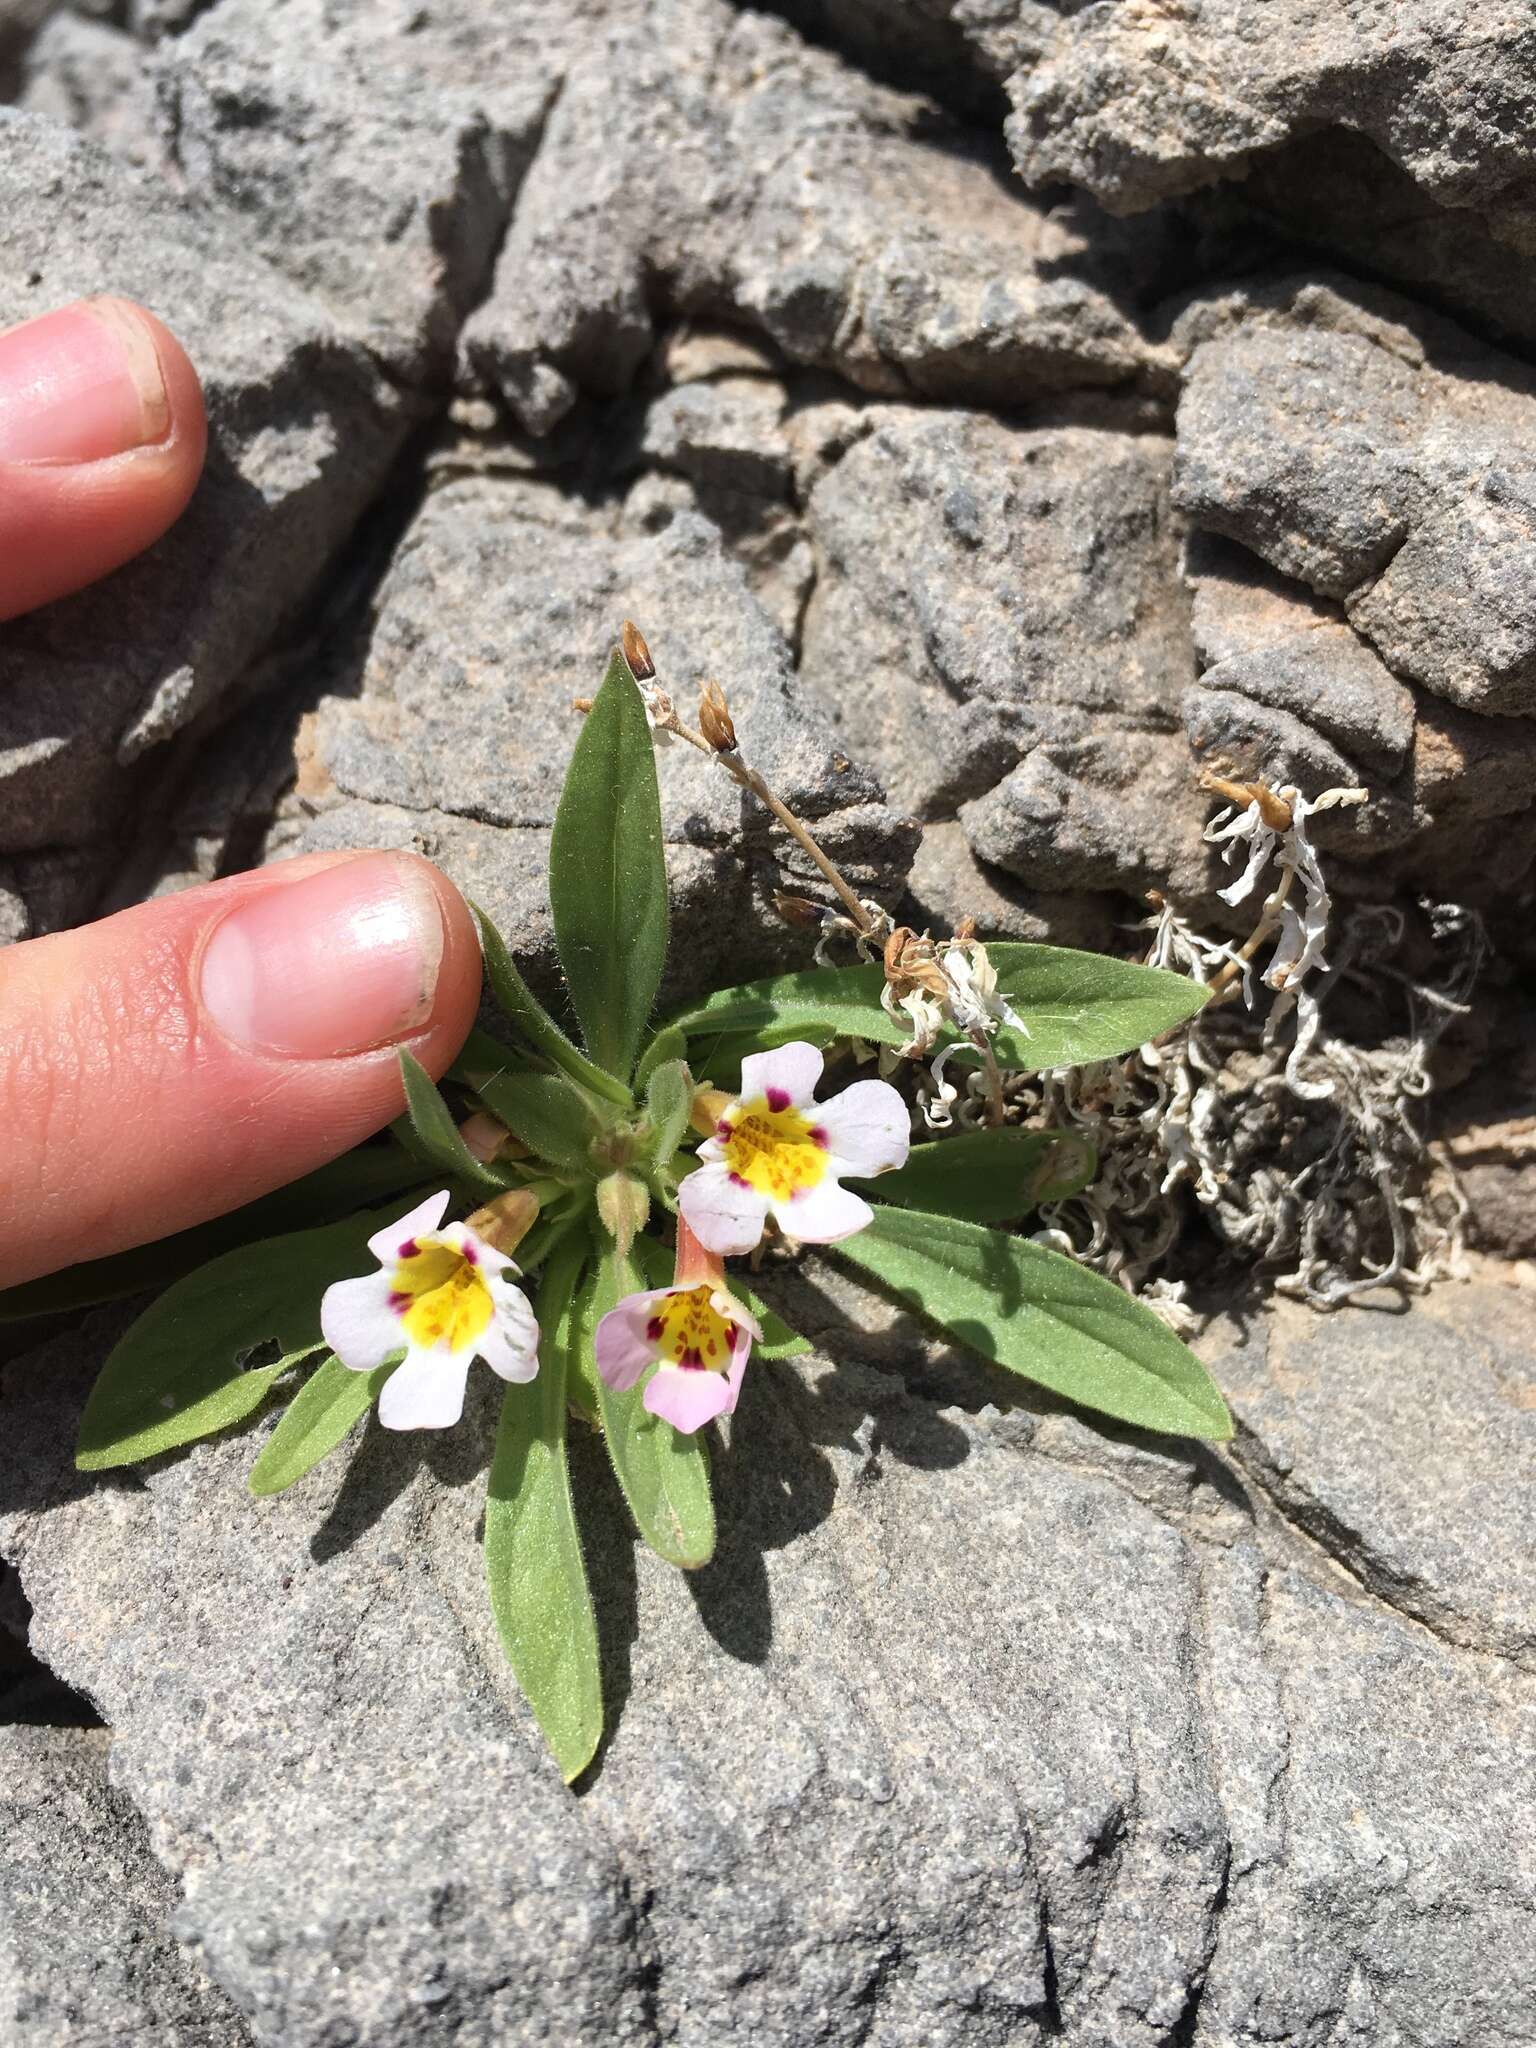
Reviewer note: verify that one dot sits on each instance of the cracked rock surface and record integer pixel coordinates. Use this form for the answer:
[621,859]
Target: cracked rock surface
[983,1726]
[804,338]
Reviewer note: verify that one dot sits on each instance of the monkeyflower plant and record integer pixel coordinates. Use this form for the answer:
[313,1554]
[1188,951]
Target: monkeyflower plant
[565,1208]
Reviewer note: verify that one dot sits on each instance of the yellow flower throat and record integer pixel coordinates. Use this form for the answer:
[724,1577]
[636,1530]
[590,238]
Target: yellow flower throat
[777,1151]
[688,1330]
[440,1296]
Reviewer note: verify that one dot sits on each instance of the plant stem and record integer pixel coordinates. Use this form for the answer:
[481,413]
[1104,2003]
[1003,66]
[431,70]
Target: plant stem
[1268,919]
[748,778]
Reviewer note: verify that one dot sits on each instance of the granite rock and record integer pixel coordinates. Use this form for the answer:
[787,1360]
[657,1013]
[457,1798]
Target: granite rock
[984,1727]
[1137,103]
[460,715]
[1014,587]
[86,1950]
[831,248]
[1376,456]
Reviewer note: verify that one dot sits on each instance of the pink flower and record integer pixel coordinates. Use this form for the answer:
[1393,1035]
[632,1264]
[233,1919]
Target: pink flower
[778,1152]
[443,1296]
[696,1334]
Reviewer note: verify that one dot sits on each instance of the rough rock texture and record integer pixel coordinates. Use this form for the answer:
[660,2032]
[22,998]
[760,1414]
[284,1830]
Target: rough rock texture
[455,735]
[986,1727]
[1136,102]
[983,1728]
[831,244]
[1015,588]
[86,1950]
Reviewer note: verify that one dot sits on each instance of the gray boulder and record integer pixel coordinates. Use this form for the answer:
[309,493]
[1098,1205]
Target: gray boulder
[985,1726]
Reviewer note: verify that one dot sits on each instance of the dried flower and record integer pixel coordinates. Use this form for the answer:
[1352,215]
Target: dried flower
[715,719]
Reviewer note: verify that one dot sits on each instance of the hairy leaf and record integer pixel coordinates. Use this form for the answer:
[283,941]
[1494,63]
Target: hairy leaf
[608,876]
[664,1474]
[668,1100]
[553,1118]
[1043,1316]
[328,1405]
[533,1560]
[989,1176]
[436,1132]
[668,1044]
[1077,1007]
[177,1374]
[1084,1006]
[527,1015]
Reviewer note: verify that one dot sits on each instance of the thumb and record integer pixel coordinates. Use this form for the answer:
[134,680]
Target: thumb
[185,1056]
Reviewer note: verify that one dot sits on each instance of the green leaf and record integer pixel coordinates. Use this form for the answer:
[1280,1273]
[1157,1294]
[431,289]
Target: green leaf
[837,1002]
[670,1044]
[553,1118]
[668,1101]
[664,1474]
[1077,1006]
[1083,1006]
[360,1177]
[778,1339]
[177,1375]
[437,1133]
[1043,1316]
[607,874]
[989,1176]
[533,1560]
[328,1405]
[525,1013]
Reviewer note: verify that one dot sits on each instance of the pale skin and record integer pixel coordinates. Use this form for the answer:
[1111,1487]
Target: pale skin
[173,1061]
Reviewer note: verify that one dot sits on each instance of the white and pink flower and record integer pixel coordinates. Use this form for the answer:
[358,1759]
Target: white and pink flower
[446,1297]
[696,1333]
[778,1152]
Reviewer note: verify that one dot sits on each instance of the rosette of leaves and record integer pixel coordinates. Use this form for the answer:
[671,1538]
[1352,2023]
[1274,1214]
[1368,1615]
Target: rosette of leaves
[600,1107]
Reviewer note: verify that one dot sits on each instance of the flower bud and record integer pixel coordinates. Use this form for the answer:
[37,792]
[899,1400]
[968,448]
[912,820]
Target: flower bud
[636,653]
[506,1219]
[709,1105]
[488,1138]
[624,1204]
[715,719]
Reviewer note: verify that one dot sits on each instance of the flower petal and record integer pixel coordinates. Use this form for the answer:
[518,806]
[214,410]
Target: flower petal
[823,1214]
[510,1347]
[723,1215]
[690,1399]
[358,1323]
[385,1244]
[868,1128]
[619,1343]
[425,1391]
[791,1070]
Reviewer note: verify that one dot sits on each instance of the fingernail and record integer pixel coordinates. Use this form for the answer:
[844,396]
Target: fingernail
[81,384]
[338,963]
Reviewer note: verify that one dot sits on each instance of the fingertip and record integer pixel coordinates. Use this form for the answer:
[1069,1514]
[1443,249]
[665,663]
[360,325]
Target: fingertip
[103,435]
[457,996]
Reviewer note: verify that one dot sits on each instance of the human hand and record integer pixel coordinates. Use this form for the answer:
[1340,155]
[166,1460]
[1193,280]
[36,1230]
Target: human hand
[180,1058]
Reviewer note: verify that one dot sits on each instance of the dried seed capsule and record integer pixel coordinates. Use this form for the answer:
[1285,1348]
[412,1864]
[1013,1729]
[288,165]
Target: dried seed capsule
[636,653]
[715,719]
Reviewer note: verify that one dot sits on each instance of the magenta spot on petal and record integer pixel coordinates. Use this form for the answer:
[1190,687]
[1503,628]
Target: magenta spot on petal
[470,1256]
[399,1303]
[778,1099]
[409,1249]
[723,1128]
[737,1181]
[818,1136]
[654,1328]
[691,1359]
